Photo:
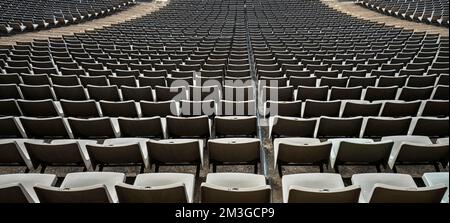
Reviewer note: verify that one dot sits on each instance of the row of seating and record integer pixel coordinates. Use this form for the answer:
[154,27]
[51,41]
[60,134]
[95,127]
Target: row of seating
[239,92]
[426,11]
[391,152]
[209,78]
[110,187]
[210,108]
[175,127]
[140,152]
[17,16]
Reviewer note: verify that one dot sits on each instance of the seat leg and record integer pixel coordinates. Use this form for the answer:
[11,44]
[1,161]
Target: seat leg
[27,170]
[197,171]
[43,167]
[378,168]
[100,167]
[436,167]
[321,167]
[280,170]
[394,169]
[336,168]
[84,169]
[156,168]
[214,167]
[256,168]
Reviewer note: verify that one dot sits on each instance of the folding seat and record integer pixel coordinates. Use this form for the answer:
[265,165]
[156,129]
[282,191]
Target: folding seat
[142,127]
[433,179]
[210,81]
[379,73]
[120,81]
[339,127]
[170,93]
[360,152]
[152,81]
[236,108]
[76,93]
[431,126]
[107,93]
[45,127]
[283,108]
[278,93]
[197,108]
[65,80]
[379,127]
[395,188]
[400,108]
[10,79]
[360,108]
[38,108]
[273,81]
[204,93]
[92,128]
[87,187]
[443,79]
[343,93]
[18,188]
[363,82]
[298,73]
[68,71]
[235,188]
[137,93]
[173,152]
[321,108]
[387,81]
[162,109]
[58,153]
[333,82]
[421,81]
[418,65]
[300,152]
[119,152]
[158,188]
[35,79]
[314,93]
[330,74]
[119,109]
[9,107]
[10,128]
[36,92]
[80,109]
[99,72]
[234,151]
[155,73]
[234,73]
[269,73]
[188,127]
[292,127]
[380,93]
[413,93]
[212,73]
[318,188]
[235,126]
[435,108]
[440,92]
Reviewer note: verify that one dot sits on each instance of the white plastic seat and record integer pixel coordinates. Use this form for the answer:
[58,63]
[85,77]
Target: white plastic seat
[25,182]
[437,178]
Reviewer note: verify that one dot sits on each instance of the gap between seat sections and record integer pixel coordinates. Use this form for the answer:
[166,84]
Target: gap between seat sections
[255,83]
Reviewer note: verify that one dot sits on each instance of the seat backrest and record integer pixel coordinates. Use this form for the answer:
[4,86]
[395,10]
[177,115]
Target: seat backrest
[391,194]
[217,194]
[299,194]
[173,193]
[88,194]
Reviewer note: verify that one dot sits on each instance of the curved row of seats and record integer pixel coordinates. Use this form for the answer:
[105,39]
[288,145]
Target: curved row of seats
[18,16]
[144,153]
[110,187]
[153,78]
[183,90]
[390,151]
[211,108]
[427,11]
